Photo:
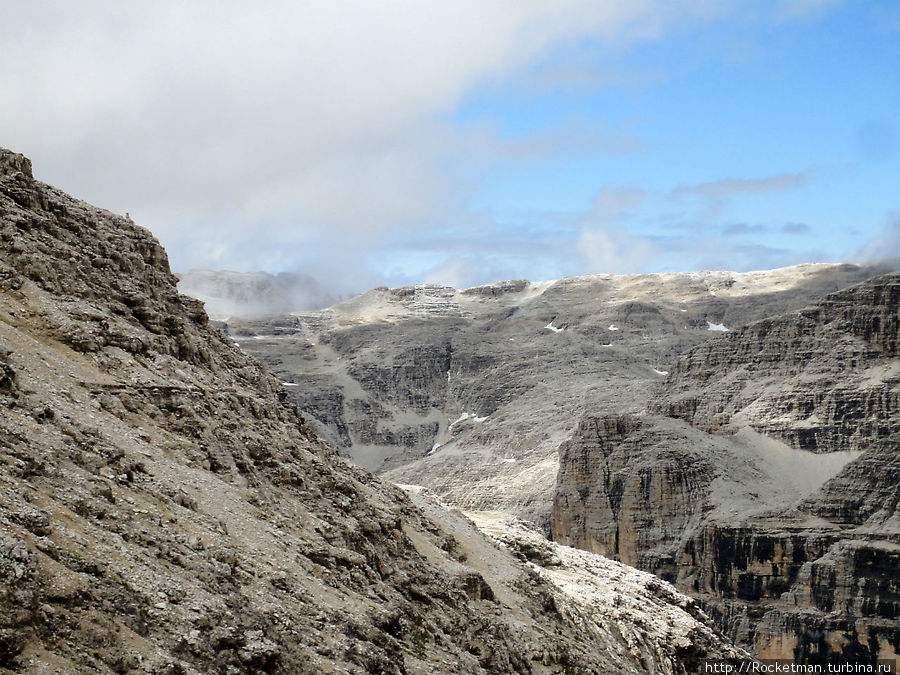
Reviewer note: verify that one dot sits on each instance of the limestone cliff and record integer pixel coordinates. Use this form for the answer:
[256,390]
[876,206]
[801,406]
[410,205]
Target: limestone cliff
[763,478]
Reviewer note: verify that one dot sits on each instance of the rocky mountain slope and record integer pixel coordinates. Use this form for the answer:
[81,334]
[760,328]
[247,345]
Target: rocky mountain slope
[471,392]
[763,477]
[165,509]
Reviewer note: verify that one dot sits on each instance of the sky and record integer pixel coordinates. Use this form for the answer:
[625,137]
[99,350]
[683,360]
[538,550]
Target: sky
[396,142]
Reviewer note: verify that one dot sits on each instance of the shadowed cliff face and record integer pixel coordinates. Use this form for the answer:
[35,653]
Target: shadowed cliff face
[165,508]
[764,479]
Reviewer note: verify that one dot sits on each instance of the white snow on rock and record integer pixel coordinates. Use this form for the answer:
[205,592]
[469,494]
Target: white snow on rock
[434,447]
[509,460]
[550,326]
[612,327]
[660,372]
[467,416]
[604,596]
[290,384]
[463,417]
[716,326]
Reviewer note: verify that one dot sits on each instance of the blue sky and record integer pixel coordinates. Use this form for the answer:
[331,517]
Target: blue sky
[815,100]
[372,143]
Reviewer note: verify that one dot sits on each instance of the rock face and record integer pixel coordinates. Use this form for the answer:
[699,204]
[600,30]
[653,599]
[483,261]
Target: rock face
[823,379]
[471,392]
[165,509]
[763,478]
[251,294]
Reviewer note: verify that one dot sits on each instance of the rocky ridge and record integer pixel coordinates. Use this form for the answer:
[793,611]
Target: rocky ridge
[763,479]
[165,508]
[732,433]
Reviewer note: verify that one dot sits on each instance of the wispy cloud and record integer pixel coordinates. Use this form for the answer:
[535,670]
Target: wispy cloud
[615,250]
[610,203]
[803,9]
[883,248]
[741,229]
[796,228]
[735,187]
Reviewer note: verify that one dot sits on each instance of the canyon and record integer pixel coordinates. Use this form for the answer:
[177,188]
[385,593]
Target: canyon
[721,448]
[733,433]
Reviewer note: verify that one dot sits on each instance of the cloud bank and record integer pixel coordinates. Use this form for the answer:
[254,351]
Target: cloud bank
[333,138]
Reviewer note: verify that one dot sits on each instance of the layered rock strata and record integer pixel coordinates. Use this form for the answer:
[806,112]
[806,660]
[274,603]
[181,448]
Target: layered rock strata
[763,479]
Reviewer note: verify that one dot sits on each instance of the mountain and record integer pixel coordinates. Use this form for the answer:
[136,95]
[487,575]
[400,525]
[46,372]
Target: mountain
[763,476]
[251,294]
[166,509]
[735,434]
[471,392]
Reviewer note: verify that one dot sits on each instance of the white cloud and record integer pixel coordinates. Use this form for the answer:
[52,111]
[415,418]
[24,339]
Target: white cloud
[614,250]
[285,135]
[282,117]
[883,248]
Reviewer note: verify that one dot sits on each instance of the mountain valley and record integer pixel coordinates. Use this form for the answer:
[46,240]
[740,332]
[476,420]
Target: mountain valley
[165,508]
[715,428]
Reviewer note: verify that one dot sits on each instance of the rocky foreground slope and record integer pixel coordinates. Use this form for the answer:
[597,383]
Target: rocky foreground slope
[471,392]
[165,509]
[764,477]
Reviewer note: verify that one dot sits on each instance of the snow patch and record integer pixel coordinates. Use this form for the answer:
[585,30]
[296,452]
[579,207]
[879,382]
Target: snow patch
[660,372]
[459,419]
[509,460]
[612,327]
[716,326]
[434,447]
[290,384]
[466,416]
[550,326]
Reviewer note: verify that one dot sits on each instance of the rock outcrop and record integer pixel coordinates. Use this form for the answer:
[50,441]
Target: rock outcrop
[165,509]
[763,478]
